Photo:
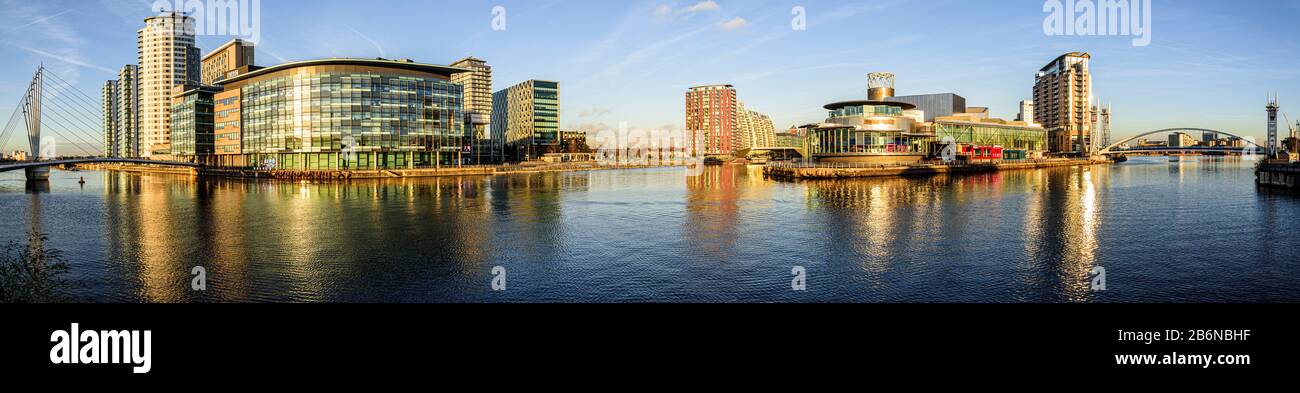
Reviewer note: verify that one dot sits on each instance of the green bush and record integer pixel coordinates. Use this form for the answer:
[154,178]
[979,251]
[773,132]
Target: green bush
[32,273]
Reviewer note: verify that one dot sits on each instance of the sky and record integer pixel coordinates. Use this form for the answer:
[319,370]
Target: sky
[1209,64]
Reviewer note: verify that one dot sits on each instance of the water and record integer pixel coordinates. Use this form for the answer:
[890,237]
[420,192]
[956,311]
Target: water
[1192,230]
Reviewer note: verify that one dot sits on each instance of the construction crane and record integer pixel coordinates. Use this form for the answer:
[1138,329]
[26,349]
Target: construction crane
[1294,148]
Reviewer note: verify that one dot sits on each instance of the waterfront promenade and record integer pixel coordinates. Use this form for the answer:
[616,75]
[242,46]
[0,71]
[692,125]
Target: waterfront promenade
[468,170]
[845,171]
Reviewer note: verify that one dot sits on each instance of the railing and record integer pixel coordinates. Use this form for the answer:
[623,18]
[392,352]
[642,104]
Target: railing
[923,164]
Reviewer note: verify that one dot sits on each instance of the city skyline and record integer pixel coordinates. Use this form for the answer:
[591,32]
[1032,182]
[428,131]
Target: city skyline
[636,60]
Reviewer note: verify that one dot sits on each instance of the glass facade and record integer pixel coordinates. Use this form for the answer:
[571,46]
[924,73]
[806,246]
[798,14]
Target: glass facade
[192,123]
[1029,139]
[867,110]
[847,140]
[351,117]
[546,112]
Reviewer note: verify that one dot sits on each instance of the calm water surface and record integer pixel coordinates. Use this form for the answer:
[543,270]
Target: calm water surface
[1192,230]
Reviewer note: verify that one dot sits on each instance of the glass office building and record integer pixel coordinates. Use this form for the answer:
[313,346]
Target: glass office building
[350,114]
[192,122]
[527,117]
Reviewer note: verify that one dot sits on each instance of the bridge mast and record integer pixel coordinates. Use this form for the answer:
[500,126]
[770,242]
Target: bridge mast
[32,113]
[1272,126]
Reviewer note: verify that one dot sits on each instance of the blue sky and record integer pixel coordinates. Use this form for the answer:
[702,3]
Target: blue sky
[1210,63]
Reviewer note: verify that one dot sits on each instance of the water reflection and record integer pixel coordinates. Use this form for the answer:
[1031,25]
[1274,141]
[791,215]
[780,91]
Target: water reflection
[660,235]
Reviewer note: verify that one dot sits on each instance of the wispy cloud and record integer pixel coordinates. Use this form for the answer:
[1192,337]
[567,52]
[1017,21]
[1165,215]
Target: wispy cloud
[733,24]
[69,58]
[47,33]
[594,112]
[640,55]
[376,44]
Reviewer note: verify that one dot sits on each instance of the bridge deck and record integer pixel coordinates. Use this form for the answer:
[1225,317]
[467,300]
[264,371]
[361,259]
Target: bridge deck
[38,164]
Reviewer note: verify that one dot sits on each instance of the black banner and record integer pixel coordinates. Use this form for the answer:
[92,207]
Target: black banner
[484,340]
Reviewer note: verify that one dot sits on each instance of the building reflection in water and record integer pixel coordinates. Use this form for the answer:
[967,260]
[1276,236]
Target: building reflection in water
[957,227]
[712,209]
[291,241]
[1061,228]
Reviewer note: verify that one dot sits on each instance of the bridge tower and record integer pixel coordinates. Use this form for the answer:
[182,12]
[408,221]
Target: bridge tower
[32,115]
[1272,109]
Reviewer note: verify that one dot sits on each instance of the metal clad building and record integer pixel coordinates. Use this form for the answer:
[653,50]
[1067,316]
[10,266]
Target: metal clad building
[935,105]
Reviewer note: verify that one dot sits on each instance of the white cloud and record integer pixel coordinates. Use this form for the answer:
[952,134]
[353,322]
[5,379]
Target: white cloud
[734,24]
[667,11]
[707,5]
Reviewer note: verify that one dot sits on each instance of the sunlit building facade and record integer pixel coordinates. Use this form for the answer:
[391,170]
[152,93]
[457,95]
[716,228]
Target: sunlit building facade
[881,130]
[109,113]
[119,108]
[167,58]
[342,114]
[192,122]
[225,61]
[477,85]
[711,120]
[527,117]
[1063,102]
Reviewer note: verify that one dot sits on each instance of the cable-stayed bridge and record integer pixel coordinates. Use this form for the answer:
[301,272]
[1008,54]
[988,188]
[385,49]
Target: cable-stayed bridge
[63,125]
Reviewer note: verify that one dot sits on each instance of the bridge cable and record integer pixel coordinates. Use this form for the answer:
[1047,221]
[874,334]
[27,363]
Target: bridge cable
[70,127]
[90,127]
[65,83]
[56,122]
[69,105]
[67,129]
[10,127]
[73,131]
[88,111]
[88,119]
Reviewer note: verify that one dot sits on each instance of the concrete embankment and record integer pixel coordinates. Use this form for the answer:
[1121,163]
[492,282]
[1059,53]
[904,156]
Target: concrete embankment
[366,174]
[1284,175]
[833,172]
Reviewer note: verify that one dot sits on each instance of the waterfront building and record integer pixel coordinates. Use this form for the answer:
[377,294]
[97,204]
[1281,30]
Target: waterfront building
[880,130]
[711,120]
[477,85]
[167,57]
[754,129]
[1181,139]
[1026,112]
[119,111]
[227,137]
[789,138]
[1014,139]
[192,122]
[876,130]
[574,142]
[226,61]
[526,117]
[1063,99]
[227,120]
[128,111]
[936,105]
[341,114]
[109,113]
